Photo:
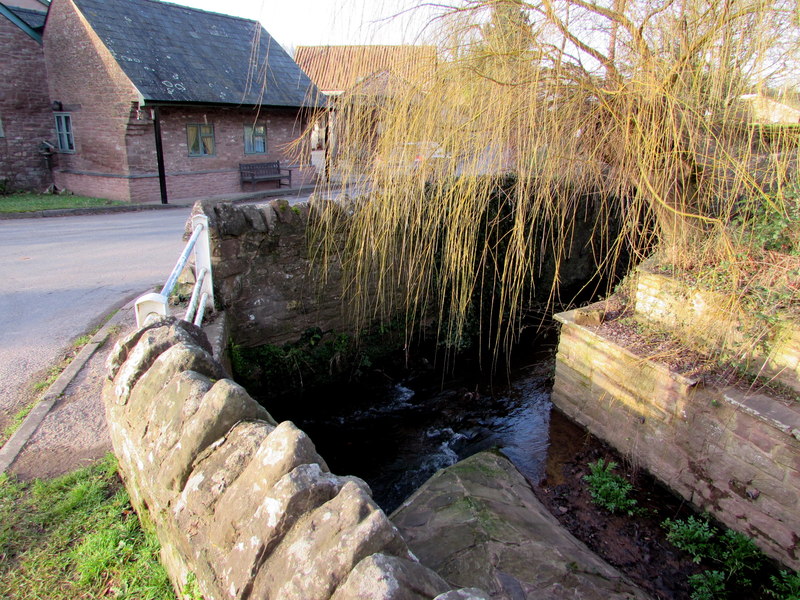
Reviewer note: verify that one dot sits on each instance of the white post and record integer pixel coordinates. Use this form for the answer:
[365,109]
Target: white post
[149,304]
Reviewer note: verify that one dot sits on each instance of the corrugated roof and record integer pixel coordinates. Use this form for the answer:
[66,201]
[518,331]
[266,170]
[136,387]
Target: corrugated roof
[339,68]
[177,54]
[34,18]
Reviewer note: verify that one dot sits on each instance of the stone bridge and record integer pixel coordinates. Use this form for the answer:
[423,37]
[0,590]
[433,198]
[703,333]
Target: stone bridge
[246,507]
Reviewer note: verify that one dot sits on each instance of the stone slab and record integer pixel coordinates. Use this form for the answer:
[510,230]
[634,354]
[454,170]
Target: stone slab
[478,524]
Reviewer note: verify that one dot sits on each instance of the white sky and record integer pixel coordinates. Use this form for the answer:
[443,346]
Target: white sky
[326,22]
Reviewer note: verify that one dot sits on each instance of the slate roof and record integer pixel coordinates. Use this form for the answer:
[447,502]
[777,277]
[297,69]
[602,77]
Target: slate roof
[339,68]
[34,18]
[173,53]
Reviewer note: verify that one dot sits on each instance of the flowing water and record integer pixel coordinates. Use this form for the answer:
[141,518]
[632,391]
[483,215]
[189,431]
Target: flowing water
[397,433]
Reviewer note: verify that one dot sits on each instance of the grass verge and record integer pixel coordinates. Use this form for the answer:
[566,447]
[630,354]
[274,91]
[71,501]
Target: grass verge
[16,422]
[33,202]
[76,537]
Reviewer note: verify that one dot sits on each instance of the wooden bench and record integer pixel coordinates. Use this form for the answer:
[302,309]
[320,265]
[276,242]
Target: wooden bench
[266,171]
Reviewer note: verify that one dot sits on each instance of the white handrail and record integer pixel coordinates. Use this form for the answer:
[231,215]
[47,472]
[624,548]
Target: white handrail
[157,303]
[192,308]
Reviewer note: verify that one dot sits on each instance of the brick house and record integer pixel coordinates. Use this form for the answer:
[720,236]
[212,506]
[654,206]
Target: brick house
[25,116]
[216,91]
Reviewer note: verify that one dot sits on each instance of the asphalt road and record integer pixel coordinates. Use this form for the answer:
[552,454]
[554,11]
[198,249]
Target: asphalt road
[60,276]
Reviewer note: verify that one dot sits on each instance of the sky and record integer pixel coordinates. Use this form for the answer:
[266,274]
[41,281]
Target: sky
[326,22]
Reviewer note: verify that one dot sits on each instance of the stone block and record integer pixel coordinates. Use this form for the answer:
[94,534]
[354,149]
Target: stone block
[243,540]
[382,577]
[283,450]
[338,534]
[494,534]
[225,404]
[131,359]
[215,470]
[160,425]
[174,360]
[255,218]
[755,457]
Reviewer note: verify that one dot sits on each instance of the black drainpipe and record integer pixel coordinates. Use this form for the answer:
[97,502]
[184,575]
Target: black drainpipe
[162,175]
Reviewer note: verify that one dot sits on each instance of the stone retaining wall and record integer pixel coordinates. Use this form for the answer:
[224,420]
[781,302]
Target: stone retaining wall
[705,320]
[732,454]
[260,262]
[244,503]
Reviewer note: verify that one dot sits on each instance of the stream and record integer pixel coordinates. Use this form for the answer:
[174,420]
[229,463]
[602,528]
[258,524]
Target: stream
[396,434]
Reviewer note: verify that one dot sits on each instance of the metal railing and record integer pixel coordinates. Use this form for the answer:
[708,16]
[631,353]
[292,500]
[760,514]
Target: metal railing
[202,293]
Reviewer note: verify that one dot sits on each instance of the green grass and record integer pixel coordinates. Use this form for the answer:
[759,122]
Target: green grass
[16,422]
[25,202]
[76,537]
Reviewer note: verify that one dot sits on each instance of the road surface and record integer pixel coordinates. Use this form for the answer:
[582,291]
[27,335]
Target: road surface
[60,276]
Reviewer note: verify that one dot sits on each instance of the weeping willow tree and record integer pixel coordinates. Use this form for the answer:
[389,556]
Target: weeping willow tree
[472,173]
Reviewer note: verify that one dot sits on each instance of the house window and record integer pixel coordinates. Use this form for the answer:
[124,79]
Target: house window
[201,139]
[255,139]
[64,137]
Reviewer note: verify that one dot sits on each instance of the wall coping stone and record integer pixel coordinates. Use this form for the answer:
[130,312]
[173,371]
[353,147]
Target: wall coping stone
[780,416]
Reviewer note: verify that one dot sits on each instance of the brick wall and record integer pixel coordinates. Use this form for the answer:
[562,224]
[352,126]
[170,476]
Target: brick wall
[733,454]
[91,86]
[24,110]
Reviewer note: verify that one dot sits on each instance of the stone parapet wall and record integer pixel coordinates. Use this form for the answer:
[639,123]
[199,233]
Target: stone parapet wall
[262,278]
[733,454]
[240,501]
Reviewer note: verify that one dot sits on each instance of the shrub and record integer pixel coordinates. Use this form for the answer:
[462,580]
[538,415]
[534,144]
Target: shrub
[609,490]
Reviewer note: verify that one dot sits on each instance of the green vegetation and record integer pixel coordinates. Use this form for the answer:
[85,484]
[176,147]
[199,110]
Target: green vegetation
[692,535]
[81,340]
[609,490]
[76,537]
[317,358]
[16,422]
[736,561]
[785,586]
[27,202]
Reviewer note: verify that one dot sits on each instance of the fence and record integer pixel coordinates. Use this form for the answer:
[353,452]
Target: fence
[202,293]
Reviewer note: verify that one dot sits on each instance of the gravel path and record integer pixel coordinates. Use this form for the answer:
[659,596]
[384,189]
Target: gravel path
[74,433]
